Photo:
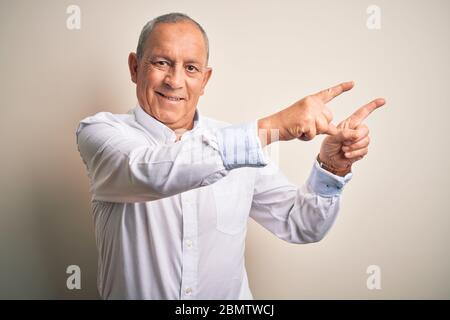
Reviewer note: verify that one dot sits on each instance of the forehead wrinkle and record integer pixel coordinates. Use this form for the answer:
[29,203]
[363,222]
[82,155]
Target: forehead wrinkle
[175,44]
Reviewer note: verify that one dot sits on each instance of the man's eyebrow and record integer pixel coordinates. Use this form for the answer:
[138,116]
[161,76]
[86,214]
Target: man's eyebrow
[161,56]
[156,56]
[193,61]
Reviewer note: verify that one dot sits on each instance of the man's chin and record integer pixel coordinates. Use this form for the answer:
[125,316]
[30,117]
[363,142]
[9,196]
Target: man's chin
[170,119]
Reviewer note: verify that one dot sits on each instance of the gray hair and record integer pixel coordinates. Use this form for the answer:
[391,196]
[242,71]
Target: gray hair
[173,17]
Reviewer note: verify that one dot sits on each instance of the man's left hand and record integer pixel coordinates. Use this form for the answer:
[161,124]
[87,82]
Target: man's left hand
[351,144]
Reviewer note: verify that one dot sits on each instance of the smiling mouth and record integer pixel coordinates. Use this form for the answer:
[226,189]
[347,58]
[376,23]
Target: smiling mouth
[169,98]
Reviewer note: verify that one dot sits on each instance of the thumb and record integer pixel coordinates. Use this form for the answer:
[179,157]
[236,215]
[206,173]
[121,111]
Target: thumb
[348,136]
[332,130]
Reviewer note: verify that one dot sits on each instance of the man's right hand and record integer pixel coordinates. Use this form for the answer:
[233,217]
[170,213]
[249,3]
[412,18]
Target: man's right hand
[304,119]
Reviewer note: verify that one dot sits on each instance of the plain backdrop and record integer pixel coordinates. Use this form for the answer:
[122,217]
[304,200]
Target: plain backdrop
[265,55]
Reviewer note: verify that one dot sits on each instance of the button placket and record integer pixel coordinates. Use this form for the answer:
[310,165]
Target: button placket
[190,253]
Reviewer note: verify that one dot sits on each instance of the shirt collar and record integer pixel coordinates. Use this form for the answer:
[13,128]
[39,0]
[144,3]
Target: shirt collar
[158,130]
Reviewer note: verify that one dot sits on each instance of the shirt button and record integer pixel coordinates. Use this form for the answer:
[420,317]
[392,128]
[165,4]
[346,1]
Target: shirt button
[188,291]
[189,243]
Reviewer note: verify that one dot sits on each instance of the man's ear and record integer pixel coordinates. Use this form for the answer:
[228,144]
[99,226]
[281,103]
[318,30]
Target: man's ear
[133,66]
[205,79]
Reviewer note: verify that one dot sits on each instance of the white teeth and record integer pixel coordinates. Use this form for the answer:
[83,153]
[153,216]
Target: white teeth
[171,98]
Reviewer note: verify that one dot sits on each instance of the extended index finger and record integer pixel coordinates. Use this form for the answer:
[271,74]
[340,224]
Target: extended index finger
[362,113]
[328,94]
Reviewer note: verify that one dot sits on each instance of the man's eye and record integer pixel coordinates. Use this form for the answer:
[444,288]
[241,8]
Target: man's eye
[161,63]
[191,68]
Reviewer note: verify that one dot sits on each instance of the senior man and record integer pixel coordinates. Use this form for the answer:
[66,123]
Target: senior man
[172,190]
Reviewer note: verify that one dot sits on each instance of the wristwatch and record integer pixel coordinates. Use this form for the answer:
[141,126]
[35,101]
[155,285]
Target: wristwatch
[337,171]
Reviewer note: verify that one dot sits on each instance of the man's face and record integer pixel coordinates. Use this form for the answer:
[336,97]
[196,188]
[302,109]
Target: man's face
[172,73]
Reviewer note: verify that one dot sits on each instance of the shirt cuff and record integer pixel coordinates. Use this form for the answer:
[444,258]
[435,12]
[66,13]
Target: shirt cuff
[239,146]
[326,184]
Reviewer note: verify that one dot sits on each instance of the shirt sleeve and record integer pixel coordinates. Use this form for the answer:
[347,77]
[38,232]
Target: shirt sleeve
[240,146]
[123,167]
[297,215]
[325,183]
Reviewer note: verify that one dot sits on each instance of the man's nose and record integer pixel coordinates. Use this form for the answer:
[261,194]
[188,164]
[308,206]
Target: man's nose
[175,77]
